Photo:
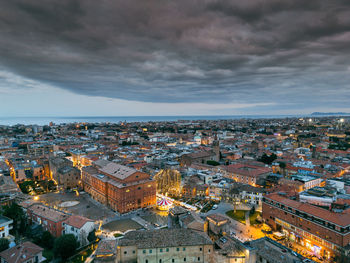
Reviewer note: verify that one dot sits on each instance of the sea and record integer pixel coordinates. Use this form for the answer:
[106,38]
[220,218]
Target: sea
[10,121]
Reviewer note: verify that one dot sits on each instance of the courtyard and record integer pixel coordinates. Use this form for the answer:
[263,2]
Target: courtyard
[77,204]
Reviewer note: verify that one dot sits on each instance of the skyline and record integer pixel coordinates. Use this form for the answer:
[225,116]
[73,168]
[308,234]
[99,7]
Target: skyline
[158,58]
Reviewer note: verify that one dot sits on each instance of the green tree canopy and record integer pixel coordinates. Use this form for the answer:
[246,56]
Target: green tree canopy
[47,240]
[16,213]
[65,246]
[4,244]
[267,159]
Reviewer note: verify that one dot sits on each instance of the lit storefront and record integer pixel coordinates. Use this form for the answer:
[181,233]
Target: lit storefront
[314,244]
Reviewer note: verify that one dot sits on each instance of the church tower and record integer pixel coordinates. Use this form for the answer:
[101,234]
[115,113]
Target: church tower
[216,148]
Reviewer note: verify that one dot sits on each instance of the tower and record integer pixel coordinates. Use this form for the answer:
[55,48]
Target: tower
[216,148]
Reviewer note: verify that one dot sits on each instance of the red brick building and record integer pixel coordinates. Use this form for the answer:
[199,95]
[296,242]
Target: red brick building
[119,187]
[49,218]
[319,230]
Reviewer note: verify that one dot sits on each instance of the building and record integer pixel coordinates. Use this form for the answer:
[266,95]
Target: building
[218,224]
[79,226]
[249,194]
[308,181]
[319,230]
[165,245]
[22,171]
[246,173]
[200,157]
[49,218]
[63,172]
[26,252]
[119,187]
[5,226]
[106,252]
[7,185]
[266,250]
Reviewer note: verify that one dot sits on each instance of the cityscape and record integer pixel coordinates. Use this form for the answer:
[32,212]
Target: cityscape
[159,131]
[244,190]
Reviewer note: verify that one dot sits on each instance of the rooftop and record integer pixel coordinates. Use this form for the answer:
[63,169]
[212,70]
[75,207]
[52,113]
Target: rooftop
[48,212]
[341,219]
[21,253]
[4,219]
[164,238]
[77,221]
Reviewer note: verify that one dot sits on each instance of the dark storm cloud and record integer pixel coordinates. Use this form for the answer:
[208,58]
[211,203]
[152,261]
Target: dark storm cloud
[255,51]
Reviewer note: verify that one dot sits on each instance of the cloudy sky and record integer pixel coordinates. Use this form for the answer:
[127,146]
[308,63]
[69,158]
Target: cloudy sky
[183,57]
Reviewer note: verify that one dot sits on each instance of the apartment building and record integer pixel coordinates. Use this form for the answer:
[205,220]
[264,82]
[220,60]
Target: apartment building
[5,226]
[319,230]
[49,218]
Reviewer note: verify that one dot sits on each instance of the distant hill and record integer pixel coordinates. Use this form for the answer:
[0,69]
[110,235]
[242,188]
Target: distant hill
[329,113]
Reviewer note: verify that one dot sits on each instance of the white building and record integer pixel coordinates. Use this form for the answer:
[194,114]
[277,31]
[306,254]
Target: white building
[80,227]
[5,226]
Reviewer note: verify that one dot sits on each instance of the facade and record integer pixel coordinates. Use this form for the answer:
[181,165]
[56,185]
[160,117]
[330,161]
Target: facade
[106,252]
[27,171]
[63,172]
[80,227]
[49,218]
[218,224]
[319,230]
[250,195]
[247,174]
[199,157]
[119,187]
[308,181]
[165,245]
[26,252]
[5,226]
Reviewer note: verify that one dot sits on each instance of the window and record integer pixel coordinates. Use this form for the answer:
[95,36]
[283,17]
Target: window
[167,250]
[177,249]
[184,259]
[133,252]
[125,252]
[183,249]
[200,249]
[161,250]
[199,259]
[144,251]
[150,251]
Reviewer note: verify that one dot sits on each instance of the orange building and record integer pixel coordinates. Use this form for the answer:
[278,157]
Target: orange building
[119,187]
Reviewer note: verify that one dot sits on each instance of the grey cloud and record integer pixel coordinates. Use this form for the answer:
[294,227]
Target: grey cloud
[182,51]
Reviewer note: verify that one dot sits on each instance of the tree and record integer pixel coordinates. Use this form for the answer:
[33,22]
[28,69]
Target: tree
[4,244]
[47,240]
[92,236]
[252,210]
[267,159]
[65,246]
[15,212]
[213,163]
